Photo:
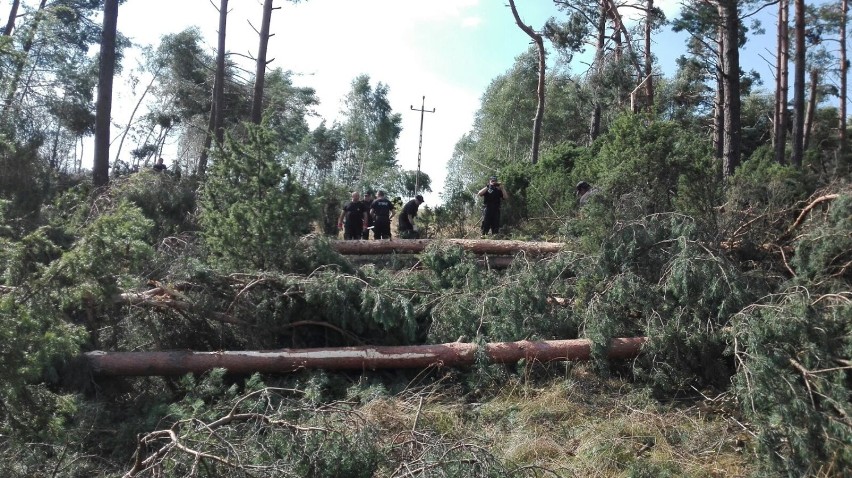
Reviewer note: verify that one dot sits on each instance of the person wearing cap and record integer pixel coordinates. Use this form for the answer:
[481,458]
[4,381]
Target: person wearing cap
[407,228]
[492,195]
[353,218]
[584,192]
[368,202]
[381,211]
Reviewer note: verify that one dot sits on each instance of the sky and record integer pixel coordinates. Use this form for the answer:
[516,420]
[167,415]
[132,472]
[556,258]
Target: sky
[447,51]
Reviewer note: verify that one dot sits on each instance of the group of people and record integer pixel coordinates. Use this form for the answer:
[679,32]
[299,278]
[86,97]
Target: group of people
[360,216]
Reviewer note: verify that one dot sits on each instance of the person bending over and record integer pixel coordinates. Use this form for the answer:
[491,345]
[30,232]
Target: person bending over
[406,226]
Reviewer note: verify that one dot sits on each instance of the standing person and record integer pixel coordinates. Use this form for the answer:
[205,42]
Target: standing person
[492,195]
[381,211]
[159,166]
[368,202]
[406,226]
[353,218]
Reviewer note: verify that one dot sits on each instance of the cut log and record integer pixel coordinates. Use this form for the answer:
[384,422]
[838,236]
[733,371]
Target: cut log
[349,358]
[412,261]
[477,246]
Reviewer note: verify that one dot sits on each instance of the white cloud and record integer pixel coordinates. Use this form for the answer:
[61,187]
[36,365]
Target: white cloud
[471,22]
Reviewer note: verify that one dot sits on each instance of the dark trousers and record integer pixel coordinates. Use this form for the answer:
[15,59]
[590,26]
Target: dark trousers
[366,233]
[490,220]
[381,228]
[352,231]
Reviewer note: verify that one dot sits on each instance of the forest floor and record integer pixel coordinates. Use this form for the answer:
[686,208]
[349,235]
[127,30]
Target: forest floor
[574,425]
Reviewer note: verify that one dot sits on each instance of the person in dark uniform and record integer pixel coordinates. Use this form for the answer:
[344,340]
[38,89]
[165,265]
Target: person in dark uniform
[368,202]
[492,195]
[406,226]
[381,211]
[353,218]
[159,166]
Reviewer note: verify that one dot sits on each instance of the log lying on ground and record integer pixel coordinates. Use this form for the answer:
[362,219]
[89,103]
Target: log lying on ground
[477,246]
[349,358]
[406,261]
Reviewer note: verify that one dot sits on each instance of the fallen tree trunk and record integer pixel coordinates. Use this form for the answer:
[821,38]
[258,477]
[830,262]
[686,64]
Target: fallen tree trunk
[349,358]
[477,246]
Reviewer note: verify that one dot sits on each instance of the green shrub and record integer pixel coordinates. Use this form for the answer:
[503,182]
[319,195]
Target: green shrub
[252,209]
[168,202]
[793,381]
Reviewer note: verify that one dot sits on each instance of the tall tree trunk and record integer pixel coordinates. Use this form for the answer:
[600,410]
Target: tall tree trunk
[260,73]
[21,61]
[731,78]
[781,81]
[595,121]
[621,29]
[649,79]
[13,14]
[799,85]
[539,111]
[100,169]
[214,127]
[719,97]
[811,108]
[842,166]
[219,85]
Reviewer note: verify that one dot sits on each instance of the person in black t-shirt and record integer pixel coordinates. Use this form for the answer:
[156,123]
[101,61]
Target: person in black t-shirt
[381,211]
[368,202]
[406,226]
[492,195]
[159,166]
[353,218]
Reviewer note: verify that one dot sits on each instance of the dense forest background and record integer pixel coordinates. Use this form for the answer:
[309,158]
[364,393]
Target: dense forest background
[721,230]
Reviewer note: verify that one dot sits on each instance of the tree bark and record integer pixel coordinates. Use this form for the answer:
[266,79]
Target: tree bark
[214,127]
[842,167]
[782,81]
[799,86]
[649,64]
[539,111]
[811,109]
[731,78]
[600,44]
[21,61]
[477,246]
[260,72]
[620,29]
[719,97]
[13,14]
[350,358]
[100,168]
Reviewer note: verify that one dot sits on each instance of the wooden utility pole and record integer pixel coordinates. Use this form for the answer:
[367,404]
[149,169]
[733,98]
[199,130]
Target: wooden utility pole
[422,111]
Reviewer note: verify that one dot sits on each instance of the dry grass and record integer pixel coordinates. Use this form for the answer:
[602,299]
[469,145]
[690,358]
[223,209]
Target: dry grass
[578,425]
